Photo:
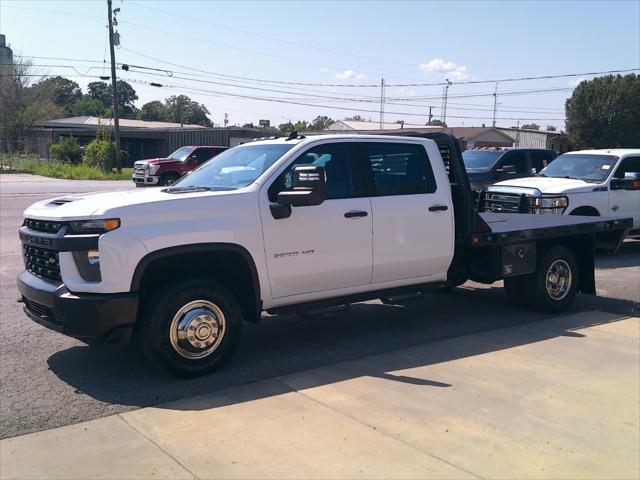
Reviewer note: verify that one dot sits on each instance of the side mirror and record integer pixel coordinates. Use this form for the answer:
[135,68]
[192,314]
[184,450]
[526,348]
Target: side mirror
[308,187]
[631,181]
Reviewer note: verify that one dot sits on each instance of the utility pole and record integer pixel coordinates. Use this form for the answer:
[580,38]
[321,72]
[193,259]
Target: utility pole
[430,116]
[381,102]
[444,109]
[116,121]
[495,103]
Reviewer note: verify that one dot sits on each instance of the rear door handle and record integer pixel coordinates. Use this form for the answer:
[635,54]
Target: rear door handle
[438,208]
[356,213]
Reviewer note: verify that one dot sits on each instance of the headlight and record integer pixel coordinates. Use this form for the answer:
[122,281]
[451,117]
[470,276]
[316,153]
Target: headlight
[95,226]
[88,263]
[554,205]
[152,169]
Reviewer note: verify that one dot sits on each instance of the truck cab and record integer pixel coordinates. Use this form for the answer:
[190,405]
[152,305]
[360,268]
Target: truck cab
[285,225]
[588,182]
[486,166]
[166,171]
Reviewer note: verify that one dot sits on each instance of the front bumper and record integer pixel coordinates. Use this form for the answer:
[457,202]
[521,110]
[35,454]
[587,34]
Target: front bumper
[88,317]
[142,180]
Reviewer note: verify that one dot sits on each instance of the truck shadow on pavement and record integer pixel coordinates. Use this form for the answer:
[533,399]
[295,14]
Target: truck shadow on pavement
[280,346]
[628,255]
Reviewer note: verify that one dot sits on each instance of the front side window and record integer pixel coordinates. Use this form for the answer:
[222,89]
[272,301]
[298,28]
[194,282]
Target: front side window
[336,161]
[628,165]
[234,168]
[201,155]
[516,160]
[400,169]
[587,167]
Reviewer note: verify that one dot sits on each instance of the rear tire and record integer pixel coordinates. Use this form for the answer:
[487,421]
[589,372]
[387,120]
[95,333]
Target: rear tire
[553,286]
[191,328]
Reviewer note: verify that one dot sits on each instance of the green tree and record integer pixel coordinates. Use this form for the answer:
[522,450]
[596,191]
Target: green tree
[153,111]
[62,91]
[101,151]
[605,112]
[181,109]
[67,150]
[286,127]
[437,123]
[551,128]
[87,105]
[355,118]
[321,122]
[102,92]
[21,106]
[530,126]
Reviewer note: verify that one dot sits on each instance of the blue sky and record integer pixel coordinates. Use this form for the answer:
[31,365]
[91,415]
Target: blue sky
[341,42]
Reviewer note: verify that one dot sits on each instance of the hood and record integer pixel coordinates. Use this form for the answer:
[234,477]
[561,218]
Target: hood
[549,185]
[103,204]
[154,161]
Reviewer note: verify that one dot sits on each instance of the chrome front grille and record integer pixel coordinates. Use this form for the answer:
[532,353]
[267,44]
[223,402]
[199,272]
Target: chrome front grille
[502,202]
[41,262]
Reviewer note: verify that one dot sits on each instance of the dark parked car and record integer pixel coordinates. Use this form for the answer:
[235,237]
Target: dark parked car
[486,166]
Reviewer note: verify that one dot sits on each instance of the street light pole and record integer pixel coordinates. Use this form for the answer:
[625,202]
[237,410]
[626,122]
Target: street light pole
[116,121]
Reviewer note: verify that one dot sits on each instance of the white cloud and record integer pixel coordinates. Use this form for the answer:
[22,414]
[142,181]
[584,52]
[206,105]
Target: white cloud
[452,70]
[349,74]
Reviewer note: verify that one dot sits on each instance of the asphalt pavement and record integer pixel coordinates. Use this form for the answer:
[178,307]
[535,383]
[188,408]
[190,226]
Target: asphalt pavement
[48,380]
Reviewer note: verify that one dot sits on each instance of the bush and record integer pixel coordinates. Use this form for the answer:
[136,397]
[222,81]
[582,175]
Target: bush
[100,154]
[67,150]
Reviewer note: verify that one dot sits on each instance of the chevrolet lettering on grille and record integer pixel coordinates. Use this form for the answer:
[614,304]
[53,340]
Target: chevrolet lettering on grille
[32,240]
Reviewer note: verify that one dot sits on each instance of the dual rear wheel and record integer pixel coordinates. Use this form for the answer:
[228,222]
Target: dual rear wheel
[552,287]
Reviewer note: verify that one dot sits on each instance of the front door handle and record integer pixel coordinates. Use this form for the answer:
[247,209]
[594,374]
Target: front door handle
[438,208]
[355,214]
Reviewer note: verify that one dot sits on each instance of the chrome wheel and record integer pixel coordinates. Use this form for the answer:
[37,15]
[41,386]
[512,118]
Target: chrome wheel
[197,329]
[558,279]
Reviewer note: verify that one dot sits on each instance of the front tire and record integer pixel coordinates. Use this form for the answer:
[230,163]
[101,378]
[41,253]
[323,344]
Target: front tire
[168,179]
[191,328]
[553,286]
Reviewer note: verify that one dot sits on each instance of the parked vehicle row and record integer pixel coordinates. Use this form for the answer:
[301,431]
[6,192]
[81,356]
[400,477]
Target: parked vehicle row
[166,171]
[486,166]
[589,182]
[287,225]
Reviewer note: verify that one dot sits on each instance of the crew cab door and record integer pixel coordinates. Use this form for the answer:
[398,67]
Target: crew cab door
[412,211]
[321,247]
[625,201]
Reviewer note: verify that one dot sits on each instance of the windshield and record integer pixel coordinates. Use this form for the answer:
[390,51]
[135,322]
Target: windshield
[181,153]
[480,159]
[234,168]
[590,168]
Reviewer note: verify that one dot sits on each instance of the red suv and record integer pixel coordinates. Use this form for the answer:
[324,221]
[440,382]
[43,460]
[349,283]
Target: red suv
[165,171]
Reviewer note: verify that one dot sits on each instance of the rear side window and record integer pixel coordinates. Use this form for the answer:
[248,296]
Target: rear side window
[400,169]
[540,159]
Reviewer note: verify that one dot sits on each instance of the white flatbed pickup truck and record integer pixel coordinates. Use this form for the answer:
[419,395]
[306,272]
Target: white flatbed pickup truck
[282,225]
[588,182]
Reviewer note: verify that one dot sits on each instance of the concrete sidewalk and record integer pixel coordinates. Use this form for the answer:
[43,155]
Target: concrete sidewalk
[553,399]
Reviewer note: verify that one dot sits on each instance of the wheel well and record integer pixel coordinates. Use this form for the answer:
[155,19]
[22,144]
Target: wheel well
[586,211]
[230,267]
